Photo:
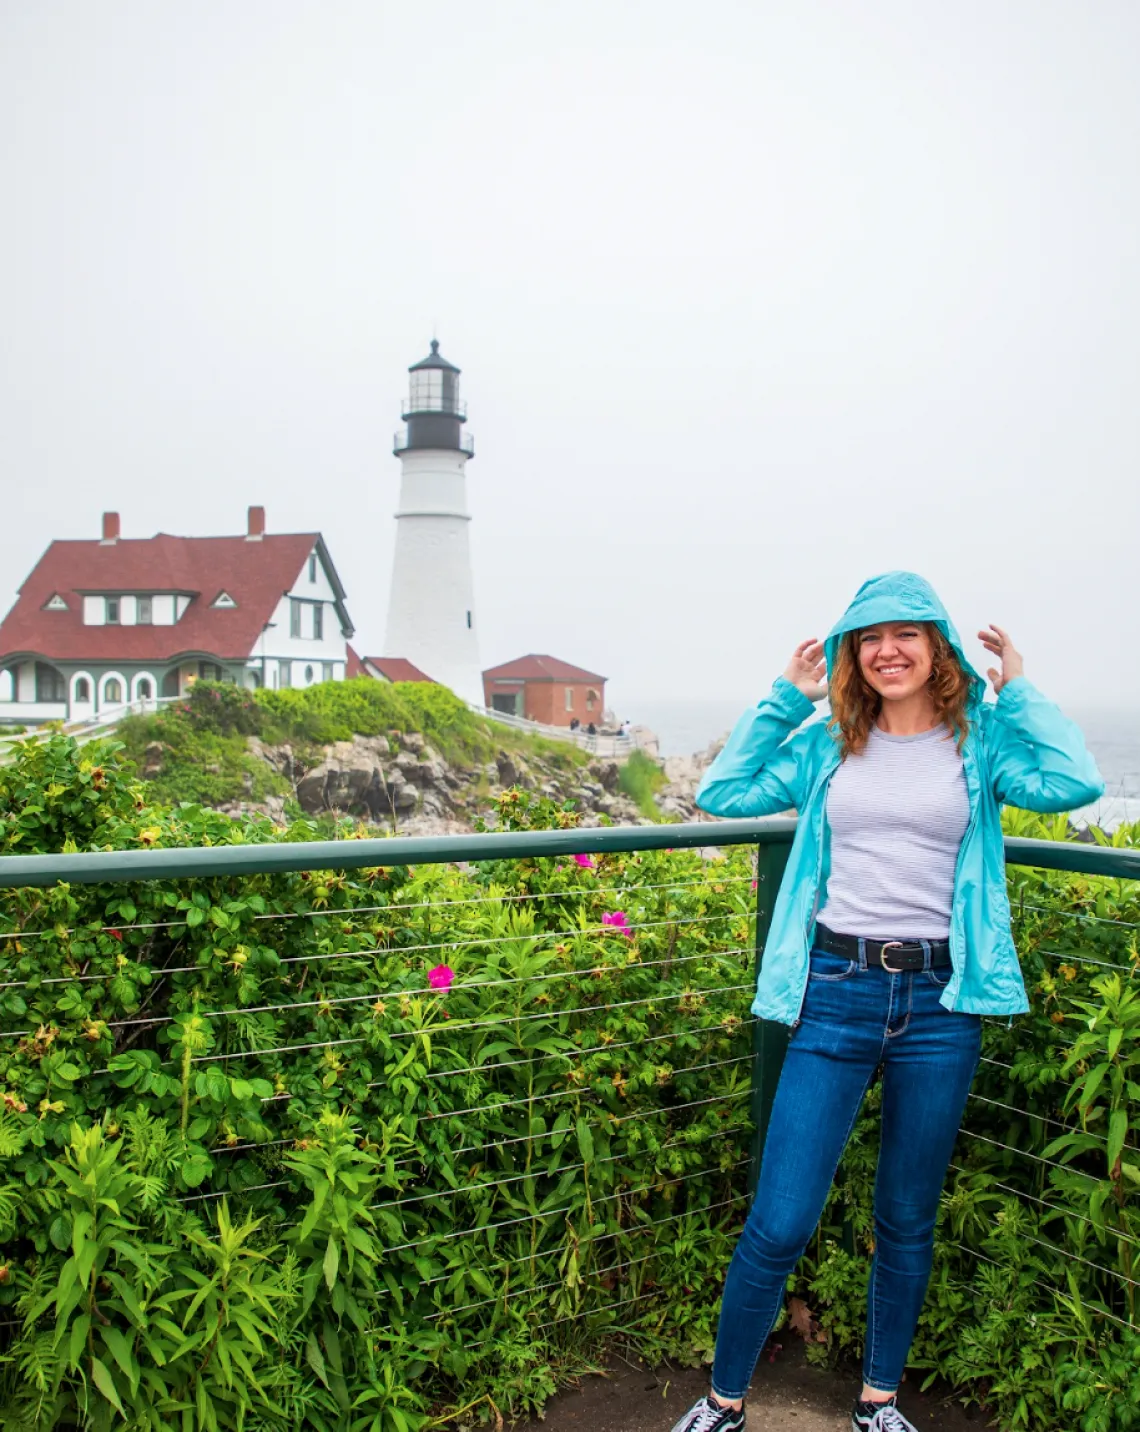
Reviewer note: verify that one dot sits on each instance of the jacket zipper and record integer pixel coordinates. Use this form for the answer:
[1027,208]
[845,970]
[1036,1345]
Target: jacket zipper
[818,875]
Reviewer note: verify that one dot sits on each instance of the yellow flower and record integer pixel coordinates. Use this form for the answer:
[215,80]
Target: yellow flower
[150,835]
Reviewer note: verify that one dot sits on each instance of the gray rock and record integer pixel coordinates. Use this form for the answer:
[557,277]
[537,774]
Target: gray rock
[508,772]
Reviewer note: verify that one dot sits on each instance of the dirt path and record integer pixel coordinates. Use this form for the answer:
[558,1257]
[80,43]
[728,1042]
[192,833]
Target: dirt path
[788,1394]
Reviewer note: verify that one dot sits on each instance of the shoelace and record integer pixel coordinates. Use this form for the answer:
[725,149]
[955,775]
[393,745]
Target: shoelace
[708,1414]
[889,1419]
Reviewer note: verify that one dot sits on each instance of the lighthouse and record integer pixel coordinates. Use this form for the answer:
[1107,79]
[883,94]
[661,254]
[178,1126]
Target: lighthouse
[431,613]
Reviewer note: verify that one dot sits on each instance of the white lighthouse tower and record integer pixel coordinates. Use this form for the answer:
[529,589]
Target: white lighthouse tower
[431,614]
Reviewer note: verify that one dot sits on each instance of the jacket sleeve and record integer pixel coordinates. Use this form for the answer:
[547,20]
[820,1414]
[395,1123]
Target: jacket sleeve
[1037,756]
[763,767]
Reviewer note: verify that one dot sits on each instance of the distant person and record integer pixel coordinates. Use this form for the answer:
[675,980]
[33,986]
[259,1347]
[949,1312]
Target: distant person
[574,723]
[889,959]
[591,729]
[623,730]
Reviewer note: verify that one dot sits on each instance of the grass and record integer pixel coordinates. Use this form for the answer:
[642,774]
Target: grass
[640,778]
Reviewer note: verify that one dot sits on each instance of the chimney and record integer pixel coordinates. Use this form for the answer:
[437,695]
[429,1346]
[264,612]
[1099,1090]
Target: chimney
[255,529]
[110,528]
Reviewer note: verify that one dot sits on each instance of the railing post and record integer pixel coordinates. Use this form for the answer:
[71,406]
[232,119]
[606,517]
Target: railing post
[769,1039]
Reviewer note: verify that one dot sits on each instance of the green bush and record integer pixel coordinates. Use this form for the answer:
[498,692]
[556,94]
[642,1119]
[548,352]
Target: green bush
[257,1170]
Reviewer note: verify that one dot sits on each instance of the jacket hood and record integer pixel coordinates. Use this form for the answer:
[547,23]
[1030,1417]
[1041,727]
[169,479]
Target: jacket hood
[900,597]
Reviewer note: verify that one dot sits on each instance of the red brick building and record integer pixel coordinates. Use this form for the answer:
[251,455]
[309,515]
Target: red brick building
[547,690]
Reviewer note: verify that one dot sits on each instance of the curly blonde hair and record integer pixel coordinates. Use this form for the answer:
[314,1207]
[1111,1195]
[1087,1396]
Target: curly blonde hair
[855,705]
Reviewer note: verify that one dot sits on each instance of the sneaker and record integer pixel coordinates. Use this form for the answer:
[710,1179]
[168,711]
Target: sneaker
[879,1417]
[710,1416]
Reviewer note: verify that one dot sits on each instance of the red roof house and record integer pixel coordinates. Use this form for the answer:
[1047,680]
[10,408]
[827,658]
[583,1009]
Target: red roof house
[102,623]
[545,689]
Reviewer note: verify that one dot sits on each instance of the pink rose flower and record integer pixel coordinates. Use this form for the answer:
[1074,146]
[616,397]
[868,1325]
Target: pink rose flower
[617,921]
[441,977]
[585,861]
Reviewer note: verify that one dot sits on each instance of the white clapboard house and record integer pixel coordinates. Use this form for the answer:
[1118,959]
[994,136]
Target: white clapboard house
[99,624]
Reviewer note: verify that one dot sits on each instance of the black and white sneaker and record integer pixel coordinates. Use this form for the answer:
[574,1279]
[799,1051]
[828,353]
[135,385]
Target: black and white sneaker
[879,1417]
[710,1416]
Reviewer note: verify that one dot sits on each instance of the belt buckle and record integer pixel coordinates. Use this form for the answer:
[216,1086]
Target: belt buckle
[890,945]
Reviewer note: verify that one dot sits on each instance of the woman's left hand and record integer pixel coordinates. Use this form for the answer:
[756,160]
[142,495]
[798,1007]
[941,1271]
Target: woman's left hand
[999,643]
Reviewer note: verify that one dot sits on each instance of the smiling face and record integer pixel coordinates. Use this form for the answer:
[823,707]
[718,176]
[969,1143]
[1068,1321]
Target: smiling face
[896,658]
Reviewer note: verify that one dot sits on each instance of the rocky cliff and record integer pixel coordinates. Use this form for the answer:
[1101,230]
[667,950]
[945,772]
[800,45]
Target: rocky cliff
[398,781]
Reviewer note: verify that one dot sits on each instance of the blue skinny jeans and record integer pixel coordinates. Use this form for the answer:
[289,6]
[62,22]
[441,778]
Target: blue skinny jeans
[855,1018]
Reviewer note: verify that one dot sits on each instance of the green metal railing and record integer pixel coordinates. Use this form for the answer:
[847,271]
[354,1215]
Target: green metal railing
[771,838]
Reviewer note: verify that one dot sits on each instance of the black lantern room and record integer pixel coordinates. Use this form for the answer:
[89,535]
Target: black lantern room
[433,411]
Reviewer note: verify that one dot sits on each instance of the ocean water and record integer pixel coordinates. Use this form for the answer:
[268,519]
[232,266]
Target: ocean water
[684,727]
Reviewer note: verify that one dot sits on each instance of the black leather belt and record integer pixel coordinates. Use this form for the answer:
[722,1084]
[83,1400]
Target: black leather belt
[895,956]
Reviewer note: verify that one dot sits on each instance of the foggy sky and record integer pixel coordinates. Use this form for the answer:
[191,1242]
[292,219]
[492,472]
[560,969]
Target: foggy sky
[752,300]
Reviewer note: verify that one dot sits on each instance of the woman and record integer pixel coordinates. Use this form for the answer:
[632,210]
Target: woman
[890,939]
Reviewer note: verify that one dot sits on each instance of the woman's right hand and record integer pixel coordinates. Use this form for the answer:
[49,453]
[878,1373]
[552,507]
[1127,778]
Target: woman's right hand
[807,668]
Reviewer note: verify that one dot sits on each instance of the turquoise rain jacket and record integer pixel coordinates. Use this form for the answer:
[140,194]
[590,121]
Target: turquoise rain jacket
[1020,751]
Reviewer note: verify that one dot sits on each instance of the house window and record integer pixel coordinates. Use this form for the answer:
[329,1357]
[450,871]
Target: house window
[113,691]
[591,697]
[50,685]
[326,671]
[318,621]
[284,667]
[313,567]
[209,671]
[143,690]
[569,698]
[144,611]
[112,613]
[170,683]
[308,676]
[294,617]
[82,689]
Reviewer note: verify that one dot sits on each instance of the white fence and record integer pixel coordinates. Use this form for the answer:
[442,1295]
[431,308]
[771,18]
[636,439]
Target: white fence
[607,746]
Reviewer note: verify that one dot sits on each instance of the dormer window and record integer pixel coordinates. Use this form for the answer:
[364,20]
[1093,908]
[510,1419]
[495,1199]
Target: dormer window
[223,599]
[144,611]
[313,567]
[55,603]
[112,611]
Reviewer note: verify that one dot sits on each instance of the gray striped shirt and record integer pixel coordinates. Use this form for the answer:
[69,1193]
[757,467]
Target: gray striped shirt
[897,815]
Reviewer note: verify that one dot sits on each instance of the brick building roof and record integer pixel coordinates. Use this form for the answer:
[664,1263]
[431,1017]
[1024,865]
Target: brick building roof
[256,574]
[540,668]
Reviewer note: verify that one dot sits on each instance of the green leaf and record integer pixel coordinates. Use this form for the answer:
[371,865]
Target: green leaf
[78,1339]
[106,1384]
[585,1141]
[121,1352]
[194,916]
[315,1358]
[1117,1131]
[332,1261]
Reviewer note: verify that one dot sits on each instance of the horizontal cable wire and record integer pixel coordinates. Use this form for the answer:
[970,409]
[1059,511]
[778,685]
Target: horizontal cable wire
[1082,960]
[454,989]
[480,1023]
[522,1177]
[429,990]
[1048,1287]
[553,1133]
[561,1282]
[1056,1207]
[1080,915]
[632,1231]
[1044,1118]
[344,911]
[574,1053]
[554,1212]
[1024,1153]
